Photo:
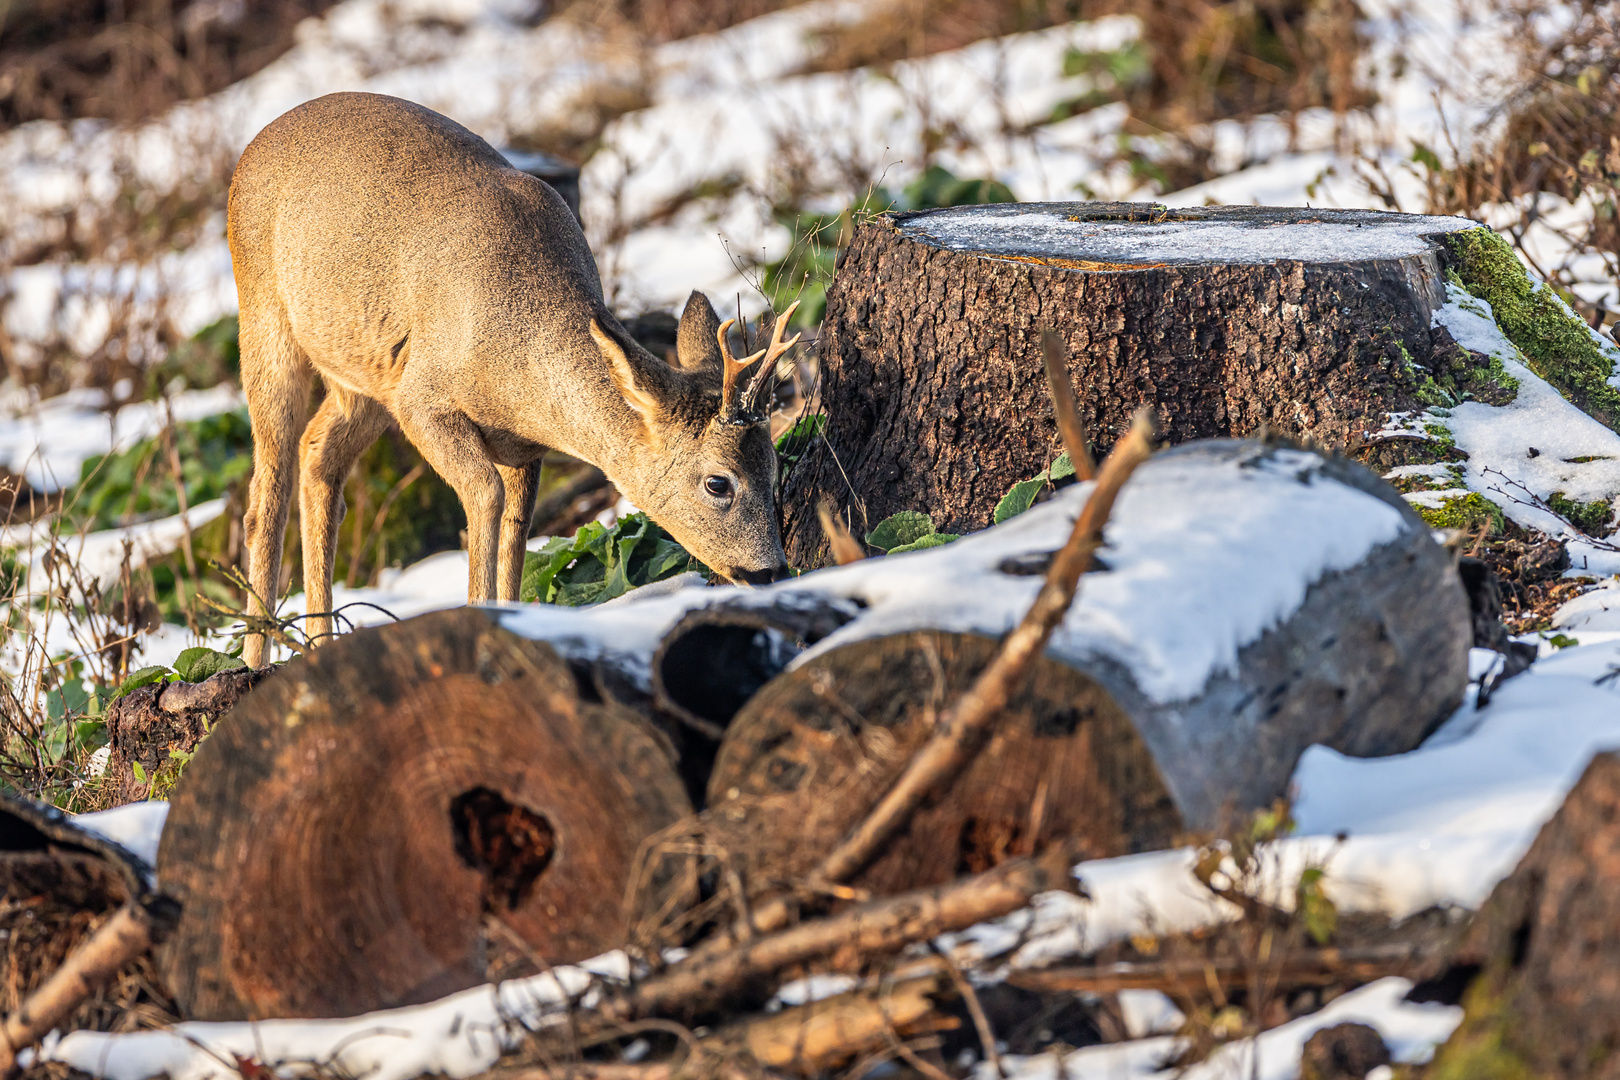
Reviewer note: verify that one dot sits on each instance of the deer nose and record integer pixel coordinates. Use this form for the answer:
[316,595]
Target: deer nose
[760,577]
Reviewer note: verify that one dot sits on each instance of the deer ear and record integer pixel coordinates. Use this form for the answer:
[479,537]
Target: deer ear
[635,384]
[695,345]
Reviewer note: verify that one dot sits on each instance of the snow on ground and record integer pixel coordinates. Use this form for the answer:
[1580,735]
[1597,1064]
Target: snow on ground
[47,441]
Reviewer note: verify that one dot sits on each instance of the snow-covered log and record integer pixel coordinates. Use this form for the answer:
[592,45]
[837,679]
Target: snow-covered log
[347,837]
[1254,600]
[1222,319]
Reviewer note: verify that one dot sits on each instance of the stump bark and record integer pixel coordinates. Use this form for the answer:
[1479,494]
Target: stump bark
[376,821]
[149,725]
[1311,322]
[1546,947]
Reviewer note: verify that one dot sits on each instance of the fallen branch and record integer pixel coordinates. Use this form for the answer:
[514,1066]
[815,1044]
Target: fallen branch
[703,983]
[1311,967]
[118,941]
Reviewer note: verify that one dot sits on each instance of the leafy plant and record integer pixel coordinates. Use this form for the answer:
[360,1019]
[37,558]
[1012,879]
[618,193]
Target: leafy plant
[909,530]
[1592,518]
[1021,496]
[599,563]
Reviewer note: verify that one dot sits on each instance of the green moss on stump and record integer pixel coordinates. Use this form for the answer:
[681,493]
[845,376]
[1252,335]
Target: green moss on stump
[1555,342]
[1482,1047]
[1466,513]
[1592,518]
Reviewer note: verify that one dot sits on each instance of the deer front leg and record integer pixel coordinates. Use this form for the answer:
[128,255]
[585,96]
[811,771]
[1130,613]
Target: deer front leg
[343,427]
[276,379]
[452,444]
[522,484]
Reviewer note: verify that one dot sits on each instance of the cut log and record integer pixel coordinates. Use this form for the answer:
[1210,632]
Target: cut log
[809,756]
[1252,600]
[1545,1000]
[1311,322]
[344,839]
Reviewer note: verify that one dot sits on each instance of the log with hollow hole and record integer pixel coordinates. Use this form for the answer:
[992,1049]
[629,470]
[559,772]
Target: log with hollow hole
[377,817]
[1313,322]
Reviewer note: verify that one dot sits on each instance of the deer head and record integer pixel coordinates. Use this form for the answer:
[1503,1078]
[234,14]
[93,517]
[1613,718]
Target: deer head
[704,466]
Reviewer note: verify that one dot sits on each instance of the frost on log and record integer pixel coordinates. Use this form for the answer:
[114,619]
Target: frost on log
[1223,319]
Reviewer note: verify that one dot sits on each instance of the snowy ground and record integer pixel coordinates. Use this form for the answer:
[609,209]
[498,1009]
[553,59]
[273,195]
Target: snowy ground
[1437,826]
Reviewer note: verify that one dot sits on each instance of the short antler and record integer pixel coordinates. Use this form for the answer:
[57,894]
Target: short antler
[746,404]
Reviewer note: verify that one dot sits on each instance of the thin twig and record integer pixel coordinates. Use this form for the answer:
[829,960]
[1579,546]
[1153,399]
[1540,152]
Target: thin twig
[845,548]
[981,1021]
[1070,426]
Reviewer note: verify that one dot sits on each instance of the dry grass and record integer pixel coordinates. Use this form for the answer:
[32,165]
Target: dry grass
[125,61]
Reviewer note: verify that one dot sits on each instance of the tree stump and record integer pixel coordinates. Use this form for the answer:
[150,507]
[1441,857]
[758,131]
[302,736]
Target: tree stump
[371,823]
[1546,948]
[1222,319]
[1129,733]
[149,725]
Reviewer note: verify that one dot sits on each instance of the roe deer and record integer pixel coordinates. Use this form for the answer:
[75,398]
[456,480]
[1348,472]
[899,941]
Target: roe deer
[433,286]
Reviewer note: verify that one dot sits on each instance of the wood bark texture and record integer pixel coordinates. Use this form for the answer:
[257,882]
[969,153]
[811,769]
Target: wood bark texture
[148,725]
[1546,946]
[1220,319]
[339,844]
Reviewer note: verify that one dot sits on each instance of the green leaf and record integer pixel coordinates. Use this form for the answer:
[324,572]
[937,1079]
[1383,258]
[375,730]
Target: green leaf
[896,530]
[198,663]
[928,541]
[139,771]
[1019,497]
[146,676]
[1062,468]
[1316,911]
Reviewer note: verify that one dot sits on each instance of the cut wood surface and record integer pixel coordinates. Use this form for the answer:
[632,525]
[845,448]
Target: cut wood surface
[339,845]
[1220,319]
[809,756]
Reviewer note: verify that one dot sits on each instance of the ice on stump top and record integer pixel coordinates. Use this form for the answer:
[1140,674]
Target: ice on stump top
[1105,236]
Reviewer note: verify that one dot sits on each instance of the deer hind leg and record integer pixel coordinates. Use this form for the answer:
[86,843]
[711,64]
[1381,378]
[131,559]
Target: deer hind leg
[276,379]
[451,443]
[343,427]
[522,484]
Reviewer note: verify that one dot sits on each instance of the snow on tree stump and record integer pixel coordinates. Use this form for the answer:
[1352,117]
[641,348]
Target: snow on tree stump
[369,824]
[1222,319]
[1546,947]
[1252,600]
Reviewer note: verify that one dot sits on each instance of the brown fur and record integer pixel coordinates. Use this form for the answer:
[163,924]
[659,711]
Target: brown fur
[433,286]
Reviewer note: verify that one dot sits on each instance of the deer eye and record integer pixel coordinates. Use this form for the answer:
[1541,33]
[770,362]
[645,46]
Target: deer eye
[718,486]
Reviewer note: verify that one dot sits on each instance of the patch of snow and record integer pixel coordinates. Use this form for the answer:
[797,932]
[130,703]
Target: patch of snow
[1149,1012]
[1412,1033]
[457,1036]
[48,441]
[1048,229]
[1526,450]
[1598,609]
[137,826]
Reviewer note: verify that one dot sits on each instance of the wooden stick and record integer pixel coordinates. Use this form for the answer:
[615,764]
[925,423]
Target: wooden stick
[1309,967]
[965,723]
[118,940]
[845,548]
[1070,426]
[705,981]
